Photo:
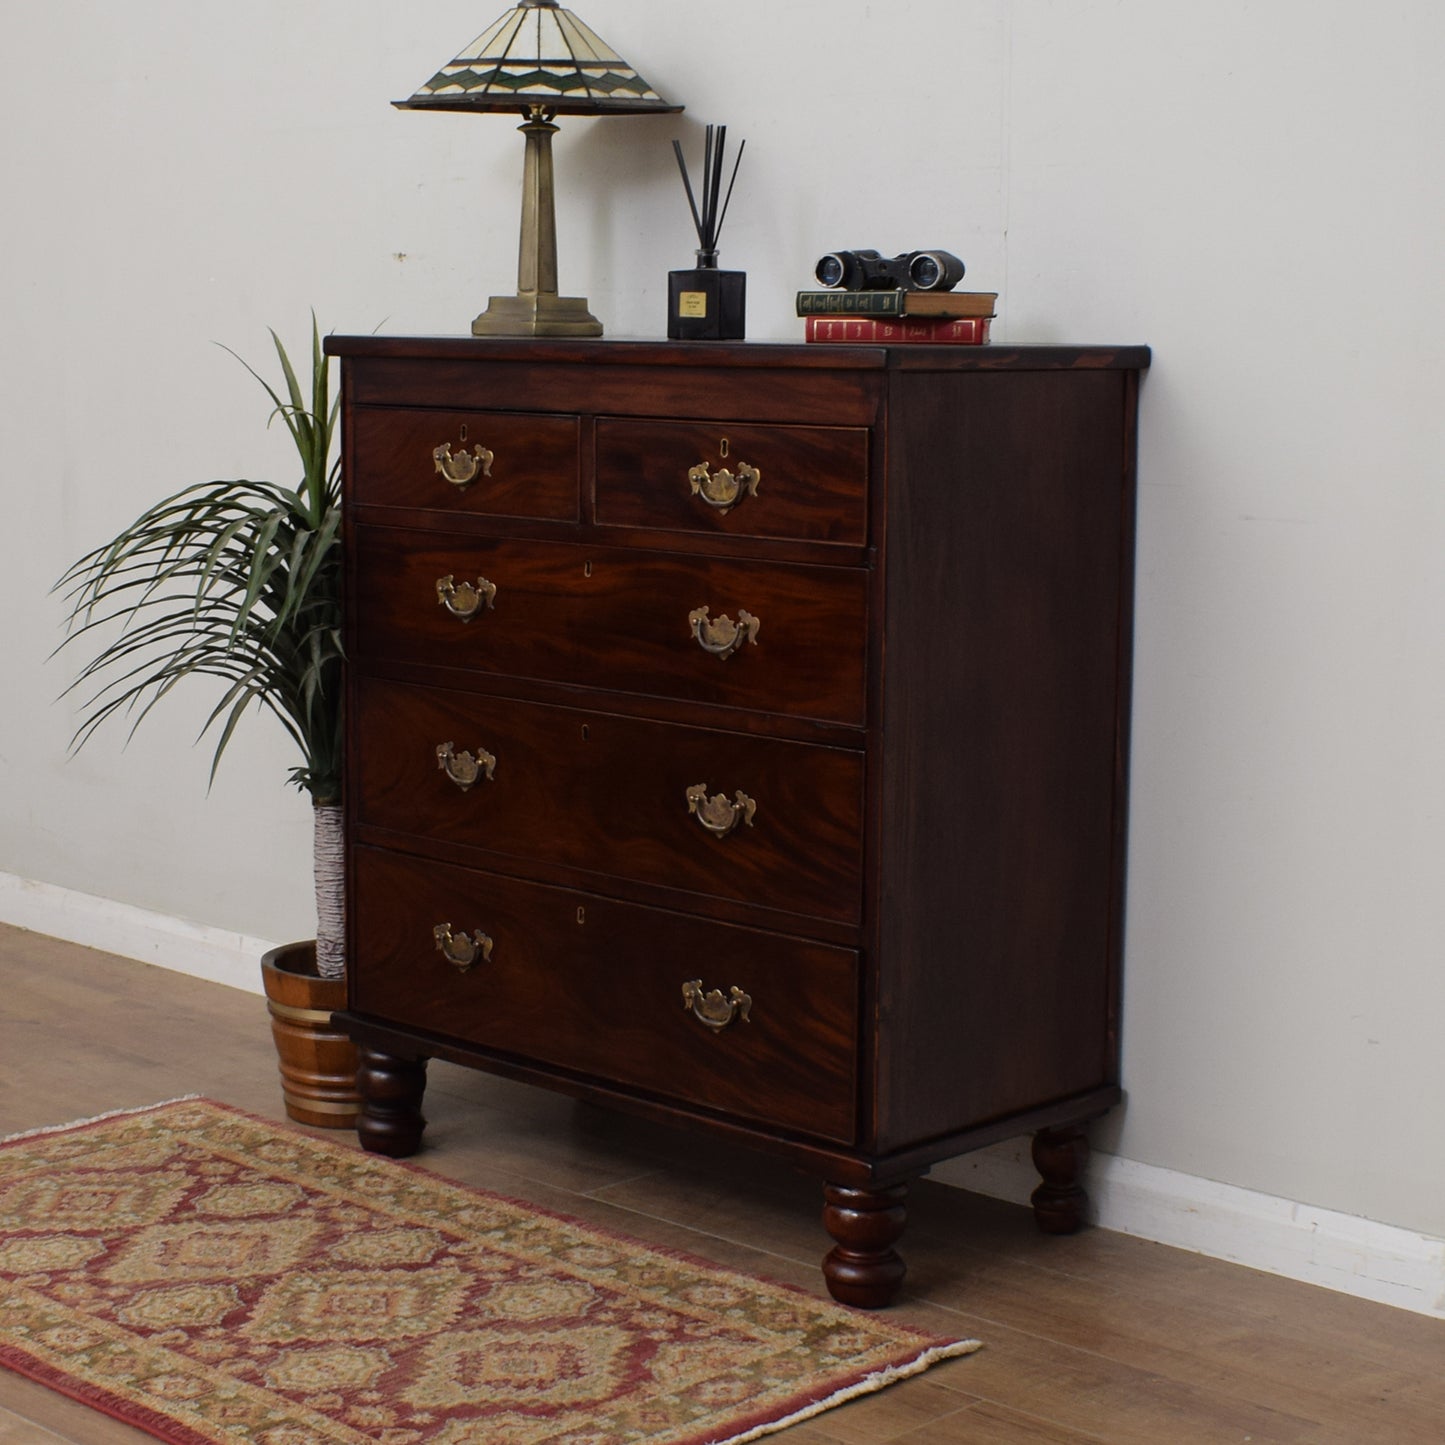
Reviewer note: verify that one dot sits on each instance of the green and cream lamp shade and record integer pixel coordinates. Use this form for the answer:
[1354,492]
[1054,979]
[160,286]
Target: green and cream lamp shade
[539,54]
[539,60]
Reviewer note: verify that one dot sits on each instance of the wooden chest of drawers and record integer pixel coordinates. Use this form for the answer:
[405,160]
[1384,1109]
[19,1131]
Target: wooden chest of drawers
[737,734]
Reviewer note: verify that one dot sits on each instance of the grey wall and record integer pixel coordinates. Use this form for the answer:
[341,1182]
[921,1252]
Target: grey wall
[1252,189]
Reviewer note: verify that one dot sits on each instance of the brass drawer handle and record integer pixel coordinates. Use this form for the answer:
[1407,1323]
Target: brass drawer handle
[714,1009]
[462,599]
[462,950]
[723,490]
[465,769]
[722,637]
[463,469]
[716,814]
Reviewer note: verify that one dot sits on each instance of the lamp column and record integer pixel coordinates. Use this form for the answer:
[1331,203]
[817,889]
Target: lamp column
[537,259]
[537,309]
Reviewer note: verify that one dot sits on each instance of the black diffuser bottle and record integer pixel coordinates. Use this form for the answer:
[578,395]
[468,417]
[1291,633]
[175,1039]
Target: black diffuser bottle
[706,304]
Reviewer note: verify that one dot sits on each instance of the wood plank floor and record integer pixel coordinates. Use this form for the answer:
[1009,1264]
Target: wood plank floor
[1093,1338]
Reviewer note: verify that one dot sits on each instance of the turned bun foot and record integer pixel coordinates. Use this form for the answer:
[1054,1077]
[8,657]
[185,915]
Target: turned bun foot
[864,1269]
[391,1091]
[1060,1201]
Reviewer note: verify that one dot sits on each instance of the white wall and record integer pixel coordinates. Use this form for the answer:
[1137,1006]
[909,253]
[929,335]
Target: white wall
[1252,188]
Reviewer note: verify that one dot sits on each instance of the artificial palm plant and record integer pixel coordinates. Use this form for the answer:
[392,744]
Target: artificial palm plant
[239,581]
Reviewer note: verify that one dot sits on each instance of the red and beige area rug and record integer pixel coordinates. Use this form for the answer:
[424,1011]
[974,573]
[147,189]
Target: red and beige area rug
[208,1276]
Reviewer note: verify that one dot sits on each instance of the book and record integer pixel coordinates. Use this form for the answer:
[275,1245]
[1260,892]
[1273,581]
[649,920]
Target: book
[902,331]
[897,303]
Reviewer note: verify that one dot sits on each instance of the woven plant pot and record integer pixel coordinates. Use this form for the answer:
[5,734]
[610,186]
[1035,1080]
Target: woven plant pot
[317,1061]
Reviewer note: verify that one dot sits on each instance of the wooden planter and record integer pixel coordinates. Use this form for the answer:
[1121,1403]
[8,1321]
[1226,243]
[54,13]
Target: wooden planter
[318,1062]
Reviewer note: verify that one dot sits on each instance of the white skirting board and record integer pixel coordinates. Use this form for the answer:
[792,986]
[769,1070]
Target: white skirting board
[209,953]
[1318,1246]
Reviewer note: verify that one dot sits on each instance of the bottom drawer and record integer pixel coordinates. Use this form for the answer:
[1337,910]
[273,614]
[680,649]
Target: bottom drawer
[597,987]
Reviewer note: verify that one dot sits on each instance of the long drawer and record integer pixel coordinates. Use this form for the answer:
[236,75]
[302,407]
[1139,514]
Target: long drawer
[773,637]
[597,987]
[754,819]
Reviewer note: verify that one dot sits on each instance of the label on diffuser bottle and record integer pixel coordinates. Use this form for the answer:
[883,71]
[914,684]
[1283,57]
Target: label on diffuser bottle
[692,303]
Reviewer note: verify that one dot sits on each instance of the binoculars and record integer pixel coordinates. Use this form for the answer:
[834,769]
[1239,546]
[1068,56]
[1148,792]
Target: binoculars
[871,271]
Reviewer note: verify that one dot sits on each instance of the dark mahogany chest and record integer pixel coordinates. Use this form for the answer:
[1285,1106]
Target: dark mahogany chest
[737,734]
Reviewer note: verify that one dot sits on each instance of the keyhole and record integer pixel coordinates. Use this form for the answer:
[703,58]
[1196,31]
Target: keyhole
[586,569]
[581,915]
[722,448]
[464,431]
[586,733]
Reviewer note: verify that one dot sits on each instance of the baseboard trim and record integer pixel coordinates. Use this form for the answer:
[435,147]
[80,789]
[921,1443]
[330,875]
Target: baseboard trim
[210,953]
[1360,1257]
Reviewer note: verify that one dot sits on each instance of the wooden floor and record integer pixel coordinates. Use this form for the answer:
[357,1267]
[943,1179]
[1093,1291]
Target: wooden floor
[1094,1338]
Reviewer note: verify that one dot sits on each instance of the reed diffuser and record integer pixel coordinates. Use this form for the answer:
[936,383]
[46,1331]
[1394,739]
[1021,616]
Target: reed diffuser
[706,304]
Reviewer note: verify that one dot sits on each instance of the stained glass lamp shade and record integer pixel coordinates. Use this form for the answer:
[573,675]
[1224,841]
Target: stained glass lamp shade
[539,60]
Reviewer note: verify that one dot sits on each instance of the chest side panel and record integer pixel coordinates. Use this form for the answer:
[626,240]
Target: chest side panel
[1009,556]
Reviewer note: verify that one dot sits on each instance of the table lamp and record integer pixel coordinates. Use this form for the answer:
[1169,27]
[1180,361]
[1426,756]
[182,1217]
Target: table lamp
[539,60]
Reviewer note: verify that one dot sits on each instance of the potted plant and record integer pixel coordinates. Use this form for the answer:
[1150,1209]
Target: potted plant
[241,581]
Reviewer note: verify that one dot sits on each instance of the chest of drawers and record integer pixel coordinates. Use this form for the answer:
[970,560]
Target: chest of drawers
[737,734]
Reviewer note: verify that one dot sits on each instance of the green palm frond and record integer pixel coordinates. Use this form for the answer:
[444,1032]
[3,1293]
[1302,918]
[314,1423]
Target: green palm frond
[238,581]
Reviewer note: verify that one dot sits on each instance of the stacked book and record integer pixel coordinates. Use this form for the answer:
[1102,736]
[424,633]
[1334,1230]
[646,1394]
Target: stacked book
[876,318]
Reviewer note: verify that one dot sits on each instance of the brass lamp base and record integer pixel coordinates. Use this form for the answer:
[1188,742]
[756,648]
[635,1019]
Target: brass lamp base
[538,313]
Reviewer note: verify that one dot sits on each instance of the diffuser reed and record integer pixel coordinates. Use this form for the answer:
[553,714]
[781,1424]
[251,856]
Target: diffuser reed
[709,219]
[706,304]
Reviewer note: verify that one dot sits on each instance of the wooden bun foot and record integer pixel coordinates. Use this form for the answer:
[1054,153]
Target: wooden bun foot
[864,1269]
[391,1089]
[1059,1156]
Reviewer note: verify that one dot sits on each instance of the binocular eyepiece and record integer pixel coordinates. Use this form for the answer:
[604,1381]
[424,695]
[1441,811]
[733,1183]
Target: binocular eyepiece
[871,271]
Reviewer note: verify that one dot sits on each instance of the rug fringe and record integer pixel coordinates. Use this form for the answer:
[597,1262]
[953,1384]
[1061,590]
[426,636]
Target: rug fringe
[98,1119]
[868,1385]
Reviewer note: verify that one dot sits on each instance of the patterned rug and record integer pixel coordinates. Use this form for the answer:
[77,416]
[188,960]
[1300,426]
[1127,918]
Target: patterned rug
[208,1276]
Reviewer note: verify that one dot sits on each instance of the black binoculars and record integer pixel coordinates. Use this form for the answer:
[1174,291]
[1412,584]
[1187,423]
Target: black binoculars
[871,271]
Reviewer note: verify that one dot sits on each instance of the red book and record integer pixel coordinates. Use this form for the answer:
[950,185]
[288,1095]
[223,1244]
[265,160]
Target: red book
[898,331]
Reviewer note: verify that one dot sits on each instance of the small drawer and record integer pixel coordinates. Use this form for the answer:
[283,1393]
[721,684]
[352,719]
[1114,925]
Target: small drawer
[803,482]
[772,637]
[596,987]
[496,464]
[776,823]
